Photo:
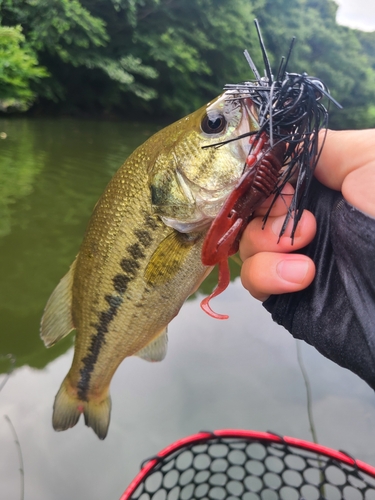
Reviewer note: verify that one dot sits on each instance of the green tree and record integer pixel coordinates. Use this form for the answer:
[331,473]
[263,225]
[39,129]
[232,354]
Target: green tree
[120,54]
[18,68]
[325,50]
[196,47]
[167,57]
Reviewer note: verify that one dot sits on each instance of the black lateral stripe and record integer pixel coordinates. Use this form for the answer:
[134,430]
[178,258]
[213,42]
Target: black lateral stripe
[151,222]
[130,266]
[120,283]
[97,342]
[144,237]
[136,251]
[114,300]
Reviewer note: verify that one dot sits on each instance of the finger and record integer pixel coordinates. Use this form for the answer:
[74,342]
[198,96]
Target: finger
[358,188]
[266,238]
[268,273]
[281,204]
[343,152]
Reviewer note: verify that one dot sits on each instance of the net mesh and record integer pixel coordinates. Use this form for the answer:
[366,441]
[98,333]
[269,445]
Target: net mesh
[236,468]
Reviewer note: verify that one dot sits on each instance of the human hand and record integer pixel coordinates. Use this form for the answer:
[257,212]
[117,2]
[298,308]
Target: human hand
[347,163]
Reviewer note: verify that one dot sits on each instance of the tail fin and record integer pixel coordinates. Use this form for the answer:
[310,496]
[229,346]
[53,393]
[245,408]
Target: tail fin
[67,409]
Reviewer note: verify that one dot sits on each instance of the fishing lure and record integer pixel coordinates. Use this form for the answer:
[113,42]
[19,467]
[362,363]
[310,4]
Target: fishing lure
[284,148]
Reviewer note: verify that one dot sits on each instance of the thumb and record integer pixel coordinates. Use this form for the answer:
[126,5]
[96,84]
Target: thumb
[347,164]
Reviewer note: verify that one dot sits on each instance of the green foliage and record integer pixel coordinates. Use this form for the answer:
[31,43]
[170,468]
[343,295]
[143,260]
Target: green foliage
[196,47]
[18,67]
[121,54]
[367,41]
[57,26]
[168,57]
[326,50]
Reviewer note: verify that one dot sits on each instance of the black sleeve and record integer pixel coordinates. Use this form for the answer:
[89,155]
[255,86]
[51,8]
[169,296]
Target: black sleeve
[336,313]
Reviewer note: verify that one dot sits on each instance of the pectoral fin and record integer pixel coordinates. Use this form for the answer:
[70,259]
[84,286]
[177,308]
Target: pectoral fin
[57,319]
[155,350]
[168,257]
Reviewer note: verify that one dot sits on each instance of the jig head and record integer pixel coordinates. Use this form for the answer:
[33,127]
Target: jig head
[290,115]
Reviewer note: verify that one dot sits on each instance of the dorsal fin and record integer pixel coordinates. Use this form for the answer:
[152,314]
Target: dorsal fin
[57,319]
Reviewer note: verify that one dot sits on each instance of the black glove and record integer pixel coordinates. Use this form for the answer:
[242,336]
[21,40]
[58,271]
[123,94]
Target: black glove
[336,313]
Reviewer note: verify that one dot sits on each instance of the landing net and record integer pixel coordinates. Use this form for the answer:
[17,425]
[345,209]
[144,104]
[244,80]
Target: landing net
[250,465]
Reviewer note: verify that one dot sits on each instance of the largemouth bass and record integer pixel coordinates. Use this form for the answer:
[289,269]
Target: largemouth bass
[141,255]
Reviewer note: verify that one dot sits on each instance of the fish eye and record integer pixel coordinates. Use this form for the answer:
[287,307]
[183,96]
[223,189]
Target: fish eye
[213,123]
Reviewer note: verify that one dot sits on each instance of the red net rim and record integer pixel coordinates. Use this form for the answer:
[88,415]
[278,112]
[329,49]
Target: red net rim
[265,437]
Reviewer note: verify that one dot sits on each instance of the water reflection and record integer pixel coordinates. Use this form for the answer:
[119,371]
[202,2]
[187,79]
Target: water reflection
[53,172]
[240,373]
[21,162]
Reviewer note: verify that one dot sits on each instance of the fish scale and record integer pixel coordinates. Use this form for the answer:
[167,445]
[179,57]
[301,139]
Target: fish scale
[138,263]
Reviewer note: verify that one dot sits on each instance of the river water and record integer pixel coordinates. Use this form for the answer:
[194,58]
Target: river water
[240,373]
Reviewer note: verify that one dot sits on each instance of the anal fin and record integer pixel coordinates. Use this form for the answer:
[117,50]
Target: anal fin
[156,350]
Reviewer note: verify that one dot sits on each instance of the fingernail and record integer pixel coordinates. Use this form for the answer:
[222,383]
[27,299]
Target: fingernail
[292,270]
[277,224]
